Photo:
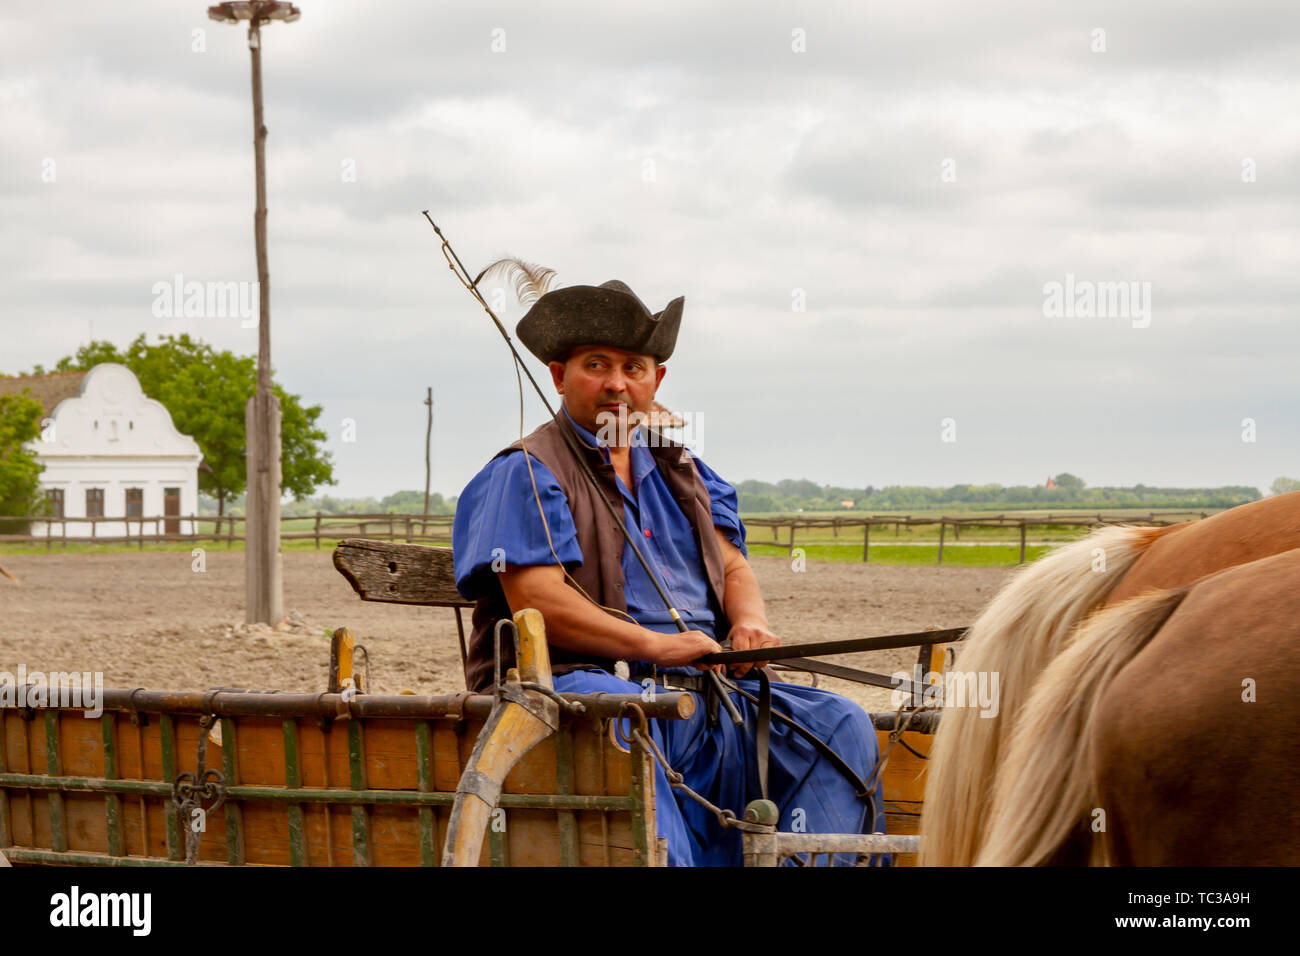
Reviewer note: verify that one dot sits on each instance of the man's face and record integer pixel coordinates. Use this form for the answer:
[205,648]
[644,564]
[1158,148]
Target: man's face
[603,385]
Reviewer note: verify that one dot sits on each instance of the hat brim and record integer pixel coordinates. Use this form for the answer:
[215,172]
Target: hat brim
[594,315]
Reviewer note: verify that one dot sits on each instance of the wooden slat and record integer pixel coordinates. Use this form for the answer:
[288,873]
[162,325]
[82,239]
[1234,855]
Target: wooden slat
[81,743]
[567,821]
[6,831]
[54,767]
[497,838]
[399,573]
[293,778]
[361,855]
[429,845]
[234,811]
[167,746]
[642,818]
[388,755]
[112,802]
[86,824]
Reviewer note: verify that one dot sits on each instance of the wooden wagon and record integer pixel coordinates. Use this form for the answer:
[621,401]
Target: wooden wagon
[347,778]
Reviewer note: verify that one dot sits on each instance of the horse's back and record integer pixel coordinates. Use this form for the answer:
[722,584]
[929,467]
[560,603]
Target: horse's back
[1182,553]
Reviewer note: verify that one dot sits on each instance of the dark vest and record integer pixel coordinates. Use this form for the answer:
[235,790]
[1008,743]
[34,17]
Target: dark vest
[601,543]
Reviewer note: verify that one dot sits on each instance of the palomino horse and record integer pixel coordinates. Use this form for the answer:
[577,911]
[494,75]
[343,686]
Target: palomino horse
[1150,690]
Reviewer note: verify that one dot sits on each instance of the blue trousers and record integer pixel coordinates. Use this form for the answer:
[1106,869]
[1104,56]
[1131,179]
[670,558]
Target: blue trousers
[719,763]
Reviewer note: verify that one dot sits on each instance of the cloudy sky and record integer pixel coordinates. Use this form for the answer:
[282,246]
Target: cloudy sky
[863,205]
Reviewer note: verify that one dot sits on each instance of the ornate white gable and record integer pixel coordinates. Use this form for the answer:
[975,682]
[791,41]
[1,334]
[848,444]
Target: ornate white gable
[112,416]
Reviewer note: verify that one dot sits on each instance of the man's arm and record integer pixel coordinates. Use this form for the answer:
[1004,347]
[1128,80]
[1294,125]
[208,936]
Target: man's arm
[576,624]
[744,604]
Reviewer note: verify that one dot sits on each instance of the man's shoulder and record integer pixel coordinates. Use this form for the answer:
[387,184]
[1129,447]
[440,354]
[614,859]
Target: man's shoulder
[506,457]
[507,465]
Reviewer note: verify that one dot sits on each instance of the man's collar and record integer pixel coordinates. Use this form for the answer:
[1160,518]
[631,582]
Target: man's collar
[663,448]
[596,442]
[585,435]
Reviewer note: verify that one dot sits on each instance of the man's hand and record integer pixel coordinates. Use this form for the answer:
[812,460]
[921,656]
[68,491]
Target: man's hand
[678,650]
[745,637]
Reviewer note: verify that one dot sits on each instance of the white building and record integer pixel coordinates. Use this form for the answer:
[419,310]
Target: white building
[109,451]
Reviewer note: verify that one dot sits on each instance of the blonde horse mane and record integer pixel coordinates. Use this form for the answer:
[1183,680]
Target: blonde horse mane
[1045,786]
[1019,634]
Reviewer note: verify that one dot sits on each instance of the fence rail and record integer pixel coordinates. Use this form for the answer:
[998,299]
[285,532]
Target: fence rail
[414,528]
[1021,523]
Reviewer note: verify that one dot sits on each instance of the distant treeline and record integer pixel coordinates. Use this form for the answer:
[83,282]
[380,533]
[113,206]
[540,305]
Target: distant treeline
[789,496]
[1070,492]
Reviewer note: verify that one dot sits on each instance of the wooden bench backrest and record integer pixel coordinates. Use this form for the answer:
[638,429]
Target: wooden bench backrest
[399,573]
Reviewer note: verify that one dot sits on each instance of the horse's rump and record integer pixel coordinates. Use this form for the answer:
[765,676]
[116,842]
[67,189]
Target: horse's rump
[1035,617]
[1194,745]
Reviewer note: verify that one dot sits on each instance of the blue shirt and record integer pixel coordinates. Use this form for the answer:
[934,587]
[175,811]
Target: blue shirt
[497,518]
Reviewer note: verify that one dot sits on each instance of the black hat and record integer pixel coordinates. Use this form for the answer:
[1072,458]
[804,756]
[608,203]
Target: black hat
[607,314]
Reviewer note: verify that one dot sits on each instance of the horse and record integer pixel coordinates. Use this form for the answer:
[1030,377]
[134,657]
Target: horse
[1129,664]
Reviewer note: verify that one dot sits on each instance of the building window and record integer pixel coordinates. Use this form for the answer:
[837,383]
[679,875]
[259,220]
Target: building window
[94,502]
[135,502]
[54,497]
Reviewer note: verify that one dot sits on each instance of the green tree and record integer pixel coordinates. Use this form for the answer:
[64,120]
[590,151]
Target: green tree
[20,422]
[412,503]
[206,391]
[1282,486]
[1067,480]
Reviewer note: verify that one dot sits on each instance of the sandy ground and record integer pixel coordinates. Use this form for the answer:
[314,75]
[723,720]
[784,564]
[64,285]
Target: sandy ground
[151,620]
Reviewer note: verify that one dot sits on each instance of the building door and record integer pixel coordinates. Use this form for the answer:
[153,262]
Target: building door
[172,510]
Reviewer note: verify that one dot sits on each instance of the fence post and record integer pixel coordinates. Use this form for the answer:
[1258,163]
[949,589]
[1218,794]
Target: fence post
[943,525]
[317,530]
[1022,540]
[866,540]
[790,550]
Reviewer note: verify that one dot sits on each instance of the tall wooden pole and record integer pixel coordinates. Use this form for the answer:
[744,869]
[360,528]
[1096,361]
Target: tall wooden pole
[428,436]
[262,415]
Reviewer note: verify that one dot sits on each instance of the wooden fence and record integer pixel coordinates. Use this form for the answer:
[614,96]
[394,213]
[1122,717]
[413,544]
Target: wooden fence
[1019,522]
[436,529]
[423,529]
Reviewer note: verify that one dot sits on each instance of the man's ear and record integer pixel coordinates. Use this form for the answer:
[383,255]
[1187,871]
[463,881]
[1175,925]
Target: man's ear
[557,375]
[660,372]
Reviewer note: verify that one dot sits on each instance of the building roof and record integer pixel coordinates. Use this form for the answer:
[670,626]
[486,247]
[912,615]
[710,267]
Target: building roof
[49,389]
[52,388]
[661,417]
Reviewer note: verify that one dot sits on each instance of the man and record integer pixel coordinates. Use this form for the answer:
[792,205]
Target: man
[530,532]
